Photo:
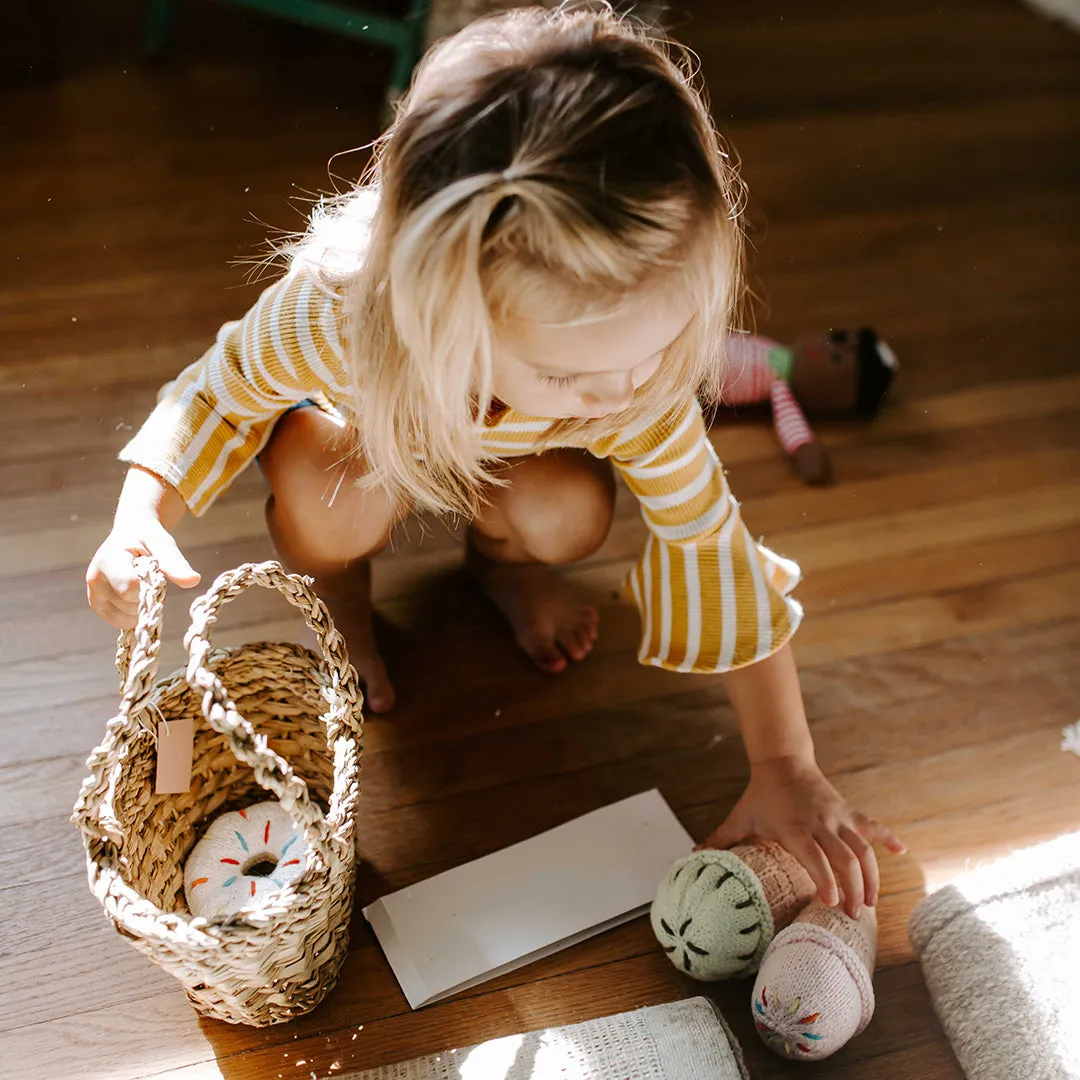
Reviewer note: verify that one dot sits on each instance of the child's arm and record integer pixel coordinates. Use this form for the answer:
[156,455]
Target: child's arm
[220,411]
[209,426]
[788,798]
[712,599]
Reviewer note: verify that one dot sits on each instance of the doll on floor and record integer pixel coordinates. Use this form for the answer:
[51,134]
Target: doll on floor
[843,373]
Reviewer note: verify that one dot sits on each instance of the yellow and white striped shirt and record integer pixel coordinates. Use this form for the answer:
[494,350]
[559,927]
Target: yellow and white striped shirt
[710,597]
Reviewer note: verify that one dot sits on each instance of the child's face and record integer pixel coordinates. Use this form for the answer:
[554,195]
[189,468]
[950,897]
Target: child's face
[587,370]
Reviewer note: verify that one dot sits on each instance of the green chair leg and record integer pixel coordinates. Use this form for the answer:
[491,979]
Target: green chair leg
[159,25]
[408,51]
[400,73]
[404,36]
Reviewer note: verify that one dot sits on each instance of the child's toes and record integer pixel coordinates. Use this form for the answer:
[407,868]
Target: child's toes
[578,640]
[550,660]
[574,645]
[544,652]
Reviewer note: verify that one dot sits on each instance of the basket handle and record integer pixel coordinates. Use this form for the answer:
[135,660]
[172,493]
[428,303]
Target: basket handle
[271,770]
[137,650]
[137,653]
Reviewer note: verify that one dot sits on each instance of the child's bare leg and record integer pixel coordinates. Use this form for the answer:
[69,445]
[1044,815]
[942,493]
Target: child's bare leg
[557,509]
[324,525]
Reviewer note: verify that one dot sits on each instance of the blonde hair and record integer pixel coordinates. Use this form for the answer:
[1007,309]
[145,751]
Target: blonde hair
[545,165]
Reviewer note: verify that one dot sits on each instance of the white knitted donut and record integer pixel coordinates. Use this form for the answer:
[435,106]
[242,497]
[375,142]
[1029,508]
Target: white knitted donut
[217,876]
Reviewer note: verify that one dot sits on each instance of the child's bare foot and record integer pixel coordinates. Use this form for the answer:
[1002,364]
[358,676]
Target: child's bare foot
[349,599]
[548,622]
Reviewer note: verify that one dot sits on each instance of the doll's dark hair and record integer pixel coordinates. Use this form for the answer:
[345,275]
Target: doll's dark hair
[876,372]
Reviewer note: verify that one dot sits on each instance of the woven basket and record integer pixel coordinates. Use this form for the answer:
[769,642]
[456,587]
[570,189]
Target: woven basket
[285,709]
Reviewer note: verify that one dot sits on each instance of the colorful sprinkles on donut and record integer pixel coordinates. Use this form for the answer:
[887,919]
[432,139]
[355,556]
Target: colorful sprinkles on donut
[241,860]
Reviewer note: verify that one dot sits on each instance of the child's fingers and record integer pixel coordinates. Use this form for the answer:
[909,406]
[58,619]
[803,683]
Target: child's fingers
[865,854]
[113,610]
[117,582]
[723,836]
[877,833]
[174,566]
[807,850]
[126,609]
[848,870]
[112,587]
[102,593]
[111,575]
[114,616]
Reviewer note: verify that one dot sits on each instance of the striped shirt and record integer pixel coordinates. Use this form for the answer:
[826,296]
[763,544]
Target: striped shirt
[711,598]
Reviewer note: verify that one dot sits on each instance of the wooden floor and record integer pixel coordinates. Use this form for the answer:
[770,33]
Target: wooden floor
[914,165]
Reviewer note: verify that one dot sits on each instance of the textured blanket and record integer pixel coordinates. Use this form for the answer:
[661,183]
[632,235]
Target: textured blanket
[686,1040]
[1000,949]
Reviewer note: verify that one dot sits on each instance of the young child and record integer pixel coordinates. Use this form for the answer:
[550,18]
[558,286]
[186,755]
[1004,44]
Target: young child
[534,281]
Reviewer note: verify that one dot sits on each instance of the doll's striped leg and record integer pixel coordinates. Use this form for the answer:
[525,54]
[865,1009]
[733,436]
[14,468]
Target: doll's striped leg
[789,420]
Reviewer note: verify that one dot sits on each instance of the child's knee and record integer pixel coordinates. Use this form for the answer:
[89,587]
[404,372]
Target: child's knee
[315,536]
[303,435]
[318,515]
[570,513]
[302,464]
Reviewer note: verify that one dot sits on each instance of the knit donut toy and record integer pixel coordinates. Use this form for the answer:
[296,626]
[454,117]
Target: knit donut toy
[244,857]
[716,911]
[813,992]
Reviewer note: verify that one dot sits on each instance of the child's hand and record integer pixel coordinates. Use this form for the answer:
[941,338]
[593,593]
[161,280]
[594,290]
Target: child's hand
[112,585]
[789,800]
[148,509]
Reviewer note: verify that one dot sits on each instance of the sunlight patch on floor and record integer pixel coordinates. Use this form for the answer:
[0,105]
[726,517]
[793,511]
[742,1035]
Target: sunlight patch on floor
[492,1060]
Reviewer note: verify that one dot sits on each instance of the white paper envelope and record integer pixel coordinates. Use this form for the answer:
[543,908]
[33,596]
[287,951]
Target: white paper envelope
[525,902]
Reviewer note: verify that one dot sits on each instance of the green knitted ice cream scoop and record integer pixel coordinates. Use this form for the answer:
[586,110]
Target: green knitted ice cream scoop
[715,916]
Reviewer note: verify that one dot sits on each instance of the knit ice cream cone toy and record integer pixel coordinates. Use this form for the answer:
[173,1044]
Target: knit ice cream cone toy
[813,992]
[716,911]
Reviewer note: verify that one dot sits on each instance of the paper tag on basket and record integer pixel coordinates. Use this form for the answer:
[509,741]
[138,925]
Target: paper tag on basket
[175,746]
[491,916]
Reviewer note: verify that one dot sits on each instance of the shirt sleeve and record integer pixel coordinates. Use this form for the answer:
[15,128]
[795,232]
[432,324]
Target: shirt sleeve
[711,598]
[219,413]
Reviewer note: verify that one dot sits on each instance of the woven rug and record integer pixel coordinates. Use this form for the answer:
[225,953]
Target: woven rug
[1000,949]
[686,1040]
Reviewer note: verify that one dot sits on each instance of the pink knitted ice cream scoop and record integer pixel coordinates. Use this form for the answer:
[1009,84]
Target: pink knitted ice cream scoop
[813,992]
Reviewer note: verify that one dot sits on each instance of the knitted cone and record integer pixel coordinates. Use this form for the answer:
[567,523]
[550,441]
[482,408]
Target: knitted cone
[716,911]
[788,887]
[813,992]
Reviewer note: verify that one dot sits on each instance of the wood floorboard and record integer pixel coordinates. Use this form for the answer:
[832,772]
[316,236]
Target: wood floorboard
[910,166]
